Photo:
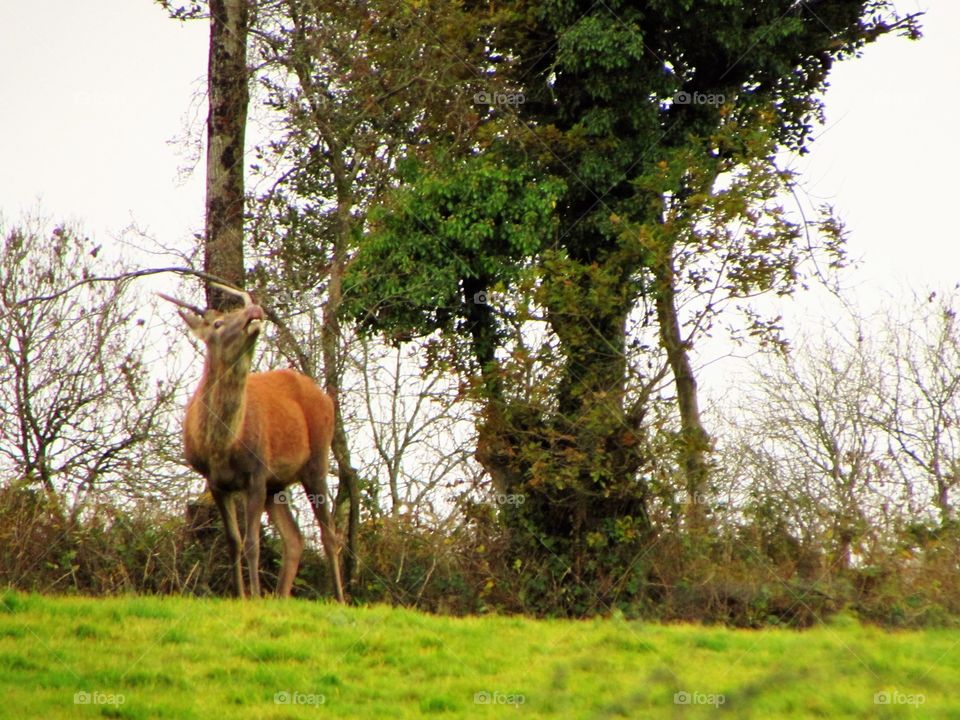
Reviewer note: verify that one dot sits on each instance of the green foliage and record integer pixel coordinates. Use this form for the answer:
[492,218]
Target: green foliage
[465,224]
[657,125]
[356,89]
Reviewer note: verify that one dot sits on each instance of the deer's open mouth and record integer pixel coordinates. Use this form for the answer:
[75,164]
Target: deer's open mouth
[254,320]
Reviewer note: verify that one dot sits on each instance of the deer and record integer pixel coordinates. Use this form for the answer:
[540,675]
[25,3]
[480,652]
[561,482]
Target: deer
[252,435]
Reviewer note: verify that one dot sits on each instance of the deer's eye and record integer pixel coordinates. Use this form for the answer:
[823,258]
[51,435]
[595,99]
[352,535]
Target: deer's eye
[218,324]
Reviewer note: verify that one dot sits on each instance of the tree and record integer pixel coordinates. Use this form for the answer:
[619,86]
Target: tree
[80,408]
[921,413]
[417,429]
[848,437]
[813,424]
[642,168]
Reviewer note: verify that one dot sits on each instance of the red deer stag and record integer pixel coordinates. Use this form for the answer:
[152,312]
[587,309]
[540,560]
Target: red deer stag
[253,434]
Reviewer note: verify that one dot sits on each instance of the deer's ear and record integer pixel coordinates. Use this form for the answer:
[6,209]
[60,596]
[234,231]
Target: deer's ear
[194,321]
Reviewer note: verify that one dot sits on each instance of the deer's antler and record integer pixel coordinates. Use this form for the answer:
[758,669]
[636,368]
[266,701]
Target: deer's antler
[245,296]
[192,308]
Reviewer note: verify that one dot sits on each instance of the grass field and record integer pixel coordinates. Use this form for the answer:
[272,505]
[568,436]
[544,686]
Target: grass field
[141,657]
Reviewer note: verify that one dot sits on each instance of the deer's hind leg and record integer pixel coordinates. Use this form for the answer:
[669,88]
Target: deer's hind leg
[315,483]
[282,517]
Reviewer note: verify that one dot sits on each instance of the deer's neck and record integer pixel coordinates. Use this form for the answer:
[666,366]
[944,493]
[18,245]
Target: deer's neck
[222,404]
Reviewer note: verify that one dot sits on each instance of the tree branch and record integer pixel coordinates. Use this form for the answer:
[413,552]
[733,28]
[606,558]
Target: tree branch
[286,335]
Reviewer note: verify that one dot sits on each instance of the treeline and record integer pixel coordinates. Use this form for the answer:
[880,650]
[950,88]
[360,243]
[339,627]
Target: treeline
[498,236]
[832,479]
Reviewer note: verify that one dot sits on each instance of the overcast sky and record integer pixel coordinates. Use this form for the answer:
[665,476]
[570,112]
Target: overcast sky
[93,92]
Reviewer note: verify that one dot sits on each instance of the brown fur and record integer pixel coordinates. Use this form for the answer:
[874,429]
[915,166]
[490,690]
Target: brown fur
[287,420]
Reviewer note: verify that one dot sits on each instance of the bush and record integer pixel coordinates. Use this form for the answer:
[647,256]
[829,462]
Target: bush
[113,550]
[726,575]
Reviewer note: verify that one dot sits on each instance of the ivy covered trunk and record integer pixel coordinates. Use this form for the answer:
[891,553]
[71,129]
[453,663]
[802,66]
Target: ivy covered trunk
[575,504]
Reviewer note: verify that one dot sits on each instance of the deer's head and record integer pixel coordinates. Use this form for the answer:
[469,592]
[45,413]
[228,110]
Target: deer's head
[229,336]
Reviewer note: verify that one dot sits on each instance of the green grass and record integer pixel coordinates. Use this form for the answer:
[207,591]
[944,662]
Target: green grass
[219,659]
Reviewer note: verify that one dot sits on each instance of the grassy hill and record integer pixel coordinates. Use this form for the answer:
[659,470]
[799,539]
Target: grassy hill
[139,657]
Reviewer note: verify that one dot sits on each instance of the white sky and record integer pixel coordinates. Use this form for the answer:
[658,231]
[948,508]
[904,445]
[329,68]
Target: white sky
[886,155]
[93,91]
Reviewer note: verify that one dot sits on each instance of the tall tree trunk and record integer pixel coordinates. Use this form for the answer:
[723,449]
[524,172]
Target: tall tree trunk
[694,439]
[226,125]
[228,97]
[348,491]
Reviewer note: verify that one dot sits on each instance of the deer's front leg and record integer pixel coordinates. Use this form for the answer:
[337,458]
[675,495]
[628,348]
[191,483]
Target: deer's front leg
[228,513]
[256,501]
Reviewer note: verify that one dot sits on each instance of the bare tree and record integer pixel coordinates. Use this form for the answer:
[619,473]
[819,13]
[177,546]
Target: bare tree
[419,430]
[814,423]
[79,407]
[922,413]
